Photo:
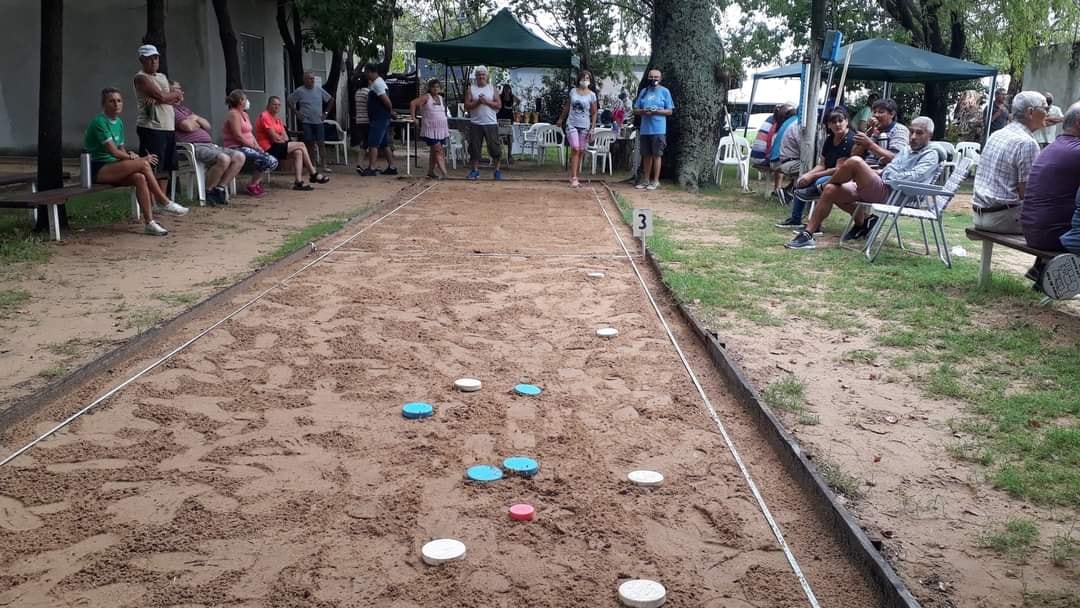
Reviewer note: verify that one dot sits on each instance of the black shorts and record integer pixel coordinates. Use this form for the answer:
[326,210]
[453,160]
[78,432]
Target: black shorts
[95,166]
[279,151]
[160,143]
[653,145]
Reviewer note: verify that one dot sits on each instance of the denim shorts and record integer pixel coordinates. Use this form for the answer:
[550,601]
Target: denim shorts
[315,133]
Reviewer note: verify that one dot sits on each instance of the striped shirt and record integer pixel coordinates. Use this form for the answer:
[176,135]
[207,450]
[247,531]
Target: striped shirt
[361,106]
[1004,164]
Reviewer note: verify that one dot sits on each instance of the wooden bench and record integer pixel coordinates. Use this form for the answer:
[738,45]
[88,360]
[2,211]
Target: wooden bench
[14,179]
[1012,241]
[50,199]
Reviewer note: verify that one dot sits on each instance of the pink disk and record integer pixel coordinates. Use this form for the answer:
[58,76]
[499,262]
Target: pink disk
[522,512]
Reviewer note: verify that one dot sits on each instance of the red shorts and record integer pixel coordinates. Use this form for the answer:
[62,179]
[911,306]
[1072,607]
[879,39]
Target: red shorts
[876,192]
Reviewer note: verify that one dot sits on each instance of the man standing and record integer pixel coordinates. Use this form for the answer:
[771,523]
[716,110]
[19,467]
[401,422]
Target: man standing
[156,120]
[483,106]
[307,101]
[1046,135]
[653,105]
[1004,166]
[379,110]
[224,164]
[1000,116]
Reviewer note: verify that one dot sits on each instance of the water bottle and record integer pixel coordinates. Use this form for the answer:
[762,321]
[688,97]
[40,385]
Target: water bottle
[84,168]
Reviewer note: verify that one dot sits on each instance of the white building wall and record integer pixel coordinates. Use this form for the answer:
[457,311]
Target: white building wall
[1055,69]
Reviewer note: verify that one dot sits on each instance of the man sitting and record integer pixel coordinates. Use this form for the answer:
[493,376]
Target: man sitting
[1051,191]
[1004,166]
[855,181]
[223,165]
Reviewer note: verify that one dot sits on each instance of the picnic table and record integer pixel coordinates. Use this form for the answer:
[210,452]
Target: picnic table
[51,199]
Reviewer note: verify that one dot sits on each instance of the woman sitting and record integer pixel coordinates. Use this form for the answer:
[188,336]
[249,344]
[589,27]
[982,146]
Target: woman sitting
[434,129]
[272,138]
[111,163]
[237,134]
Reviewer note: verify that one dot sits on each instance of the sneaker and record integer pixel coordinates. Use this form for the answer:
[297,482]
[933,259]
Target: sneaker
[369,172]
[473,175]
[790,223]
[1034,273]
[574,183]
[222,195]
[641,186]
[652,186]
[171,207]
[855,233]
[255,191]
[153,228]
[498,175]
[817,233]
[870,223]
[809,193]
[302,186]
[213,197]
[803,240]
[390,171]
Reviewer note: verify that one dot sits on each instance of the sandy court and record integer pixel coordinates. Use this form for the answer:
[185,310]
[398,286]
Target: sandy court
[269,464]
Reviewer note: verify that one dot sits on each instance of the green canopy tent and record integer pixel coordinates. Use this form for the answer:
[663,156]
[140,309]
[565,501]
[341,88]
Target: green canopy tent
[888,61]
[502,42]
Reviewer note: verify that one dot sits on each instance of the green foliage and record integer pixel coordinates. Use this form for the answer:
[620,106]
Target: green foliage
[357,26]
[583,25]
[787,394]
[1013,539]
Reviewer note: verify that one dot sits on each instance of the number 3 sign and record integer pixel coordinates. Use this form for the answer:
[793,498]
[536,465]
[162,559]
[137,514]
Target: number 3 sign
[642,221]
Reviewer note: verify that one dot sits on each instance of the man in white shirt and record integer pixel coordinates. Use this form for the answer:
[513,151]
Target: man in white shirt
[483,106]
[1046,135]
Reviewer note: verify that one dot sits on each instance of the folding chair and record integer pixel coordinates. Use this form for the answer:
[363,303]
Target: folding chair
[924,202]
[733,151]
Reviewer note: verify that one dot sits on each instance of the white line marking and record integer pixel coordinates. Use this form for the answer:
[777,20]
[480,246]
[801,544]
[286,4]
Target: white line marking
[716,418]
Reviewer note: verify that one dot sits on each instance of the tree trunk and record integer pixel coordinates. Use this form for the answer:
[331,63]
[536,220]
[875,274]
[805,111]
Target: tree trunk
[808,141]
[333,77]
[292,39]
[350,94]
[155,31]
[388,48]
[229,46]
[50,158]
[687,51]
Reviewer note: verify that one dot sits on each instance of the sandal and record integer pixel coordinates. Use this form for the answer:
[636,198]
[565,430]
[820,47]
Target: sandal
[319,178]
[301,186]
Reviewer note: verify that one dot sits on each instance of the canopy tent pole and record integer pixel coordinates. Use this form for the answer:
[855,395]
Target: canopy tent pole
[989,109]
[750,106]
[803,90]
[843,73]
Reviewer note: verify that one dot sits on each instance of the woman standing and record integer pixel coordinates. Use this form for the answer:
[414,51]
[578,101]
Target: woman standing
[271,136]
[509,102]
[434,129]
[237,134]
[111,163]
[579,113]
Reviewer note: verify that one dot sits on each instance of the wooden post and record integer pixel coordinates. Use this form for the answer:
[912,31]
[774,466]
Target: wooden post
[50,150]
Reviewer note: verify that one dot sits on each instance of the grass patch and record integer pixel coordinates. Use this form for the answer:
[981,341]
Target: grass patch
[1045,599]
[787,394]
[839,480]
[178,298]
[54,372]
[10,299]
[1013,539]
[70,348]
[143,319]
[308,234]
[860,355]
[1064,549]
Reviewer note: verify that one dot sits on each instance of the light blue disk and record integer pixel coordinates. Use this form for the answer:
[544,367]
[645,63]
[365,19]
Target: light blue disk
[484,473]
[522,465]
[529,390]
[416,410]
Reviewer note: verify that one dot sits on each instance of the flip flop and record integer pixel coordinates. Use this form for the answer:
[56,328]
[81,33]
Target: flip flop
[319,178]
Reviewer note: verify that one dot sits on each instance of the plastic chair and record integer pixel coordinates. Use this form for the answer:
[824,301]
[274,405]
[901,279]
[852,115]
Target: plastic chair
[530,138]
[456,147]
[189,166]
[968,149]
[601,147]
[949,152]
[733,151]
[550,137]
[341,144]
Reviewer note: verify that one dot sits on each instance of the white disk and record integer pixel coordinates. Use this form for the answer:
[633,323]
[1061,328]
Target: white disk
[467,385]
[607,332]
[442,550]
[595,275]
[645,478]
[642,593]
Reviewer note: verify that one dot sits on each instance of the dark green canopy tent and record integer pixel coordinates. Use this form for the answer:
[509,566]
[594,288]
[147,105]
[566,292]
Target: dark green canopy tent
[502,42]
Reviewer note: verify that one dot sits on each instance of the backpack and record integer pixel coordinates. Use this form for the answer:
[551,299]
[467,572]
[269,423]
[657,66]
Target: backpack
[759,150]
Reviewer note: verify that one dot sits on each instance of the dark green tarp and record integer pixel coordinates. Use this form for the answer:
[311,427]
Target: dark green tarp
[888,61]
[502,42]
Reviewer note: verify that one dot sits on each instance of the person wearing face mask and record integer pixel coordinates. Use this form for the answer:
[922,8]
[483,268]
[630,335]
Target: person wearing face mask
[581,109]
[237,134]
[653,105]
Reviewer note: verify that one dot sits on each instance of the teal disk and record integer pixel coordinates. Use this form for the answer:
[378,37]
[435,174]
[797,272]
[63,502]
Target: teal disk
[522,465]
[417,410]
[529,390]
[484,473]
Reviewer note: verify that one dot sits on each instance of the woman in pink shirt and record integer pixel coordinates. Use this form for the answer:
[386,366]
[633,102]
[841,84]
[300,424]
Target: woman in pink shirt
[434,130]
[237,134]
[272,138]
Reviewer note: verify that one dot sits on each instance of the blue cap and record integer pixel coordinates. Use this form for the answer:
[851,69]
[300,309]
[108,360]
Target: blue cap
[522,465]
[416,410]
[484,473]
[529,390]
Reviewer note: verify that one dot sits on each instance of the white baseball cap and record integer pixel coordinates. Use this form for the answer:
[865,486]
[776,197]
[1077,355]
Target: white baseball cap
[148,50]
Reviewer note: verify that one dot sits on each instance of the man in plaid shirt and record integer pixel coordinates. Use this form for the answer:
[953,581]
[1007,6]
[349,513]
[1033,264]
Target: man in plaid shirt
[1004,165]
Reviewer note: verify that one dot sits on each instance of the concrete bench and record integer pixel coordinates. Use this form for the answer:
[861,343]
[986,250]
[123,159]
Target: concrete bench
[1012,241]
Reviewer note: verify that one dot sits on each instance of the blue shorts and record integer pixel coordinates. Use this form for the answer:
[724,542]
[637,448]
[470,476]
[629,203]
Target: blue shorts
[435,142]
[378,135]
[315,133]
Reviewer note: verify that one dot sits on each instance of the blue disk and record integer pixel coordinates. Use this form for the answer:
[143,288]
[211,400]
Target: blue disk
[529,390]
[484,473]
[522,465]
[416,410]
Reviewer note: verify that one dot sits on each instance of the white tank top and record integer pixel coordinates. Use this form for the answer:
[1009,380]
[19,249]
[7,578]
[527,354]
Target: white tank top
[482,114]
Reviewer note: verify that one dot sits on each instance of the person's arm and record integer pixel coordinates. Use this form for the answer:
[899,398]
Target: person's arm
[188,125]
[495,103]
[819,170]
[669,105]
[149,88]
[413,105]
[639,107]
[565,112]
[593,107]
[328,99]
[920,172]
[470,103]
[385,99]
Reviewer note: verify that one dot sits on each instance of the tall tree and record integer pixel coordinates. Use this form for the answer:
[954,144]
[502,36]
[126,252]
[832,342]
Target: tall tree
[50,161]
[445,19]
[808,141]
[155,31]
[289,27]
[586,26]
[229,46]
[687,50]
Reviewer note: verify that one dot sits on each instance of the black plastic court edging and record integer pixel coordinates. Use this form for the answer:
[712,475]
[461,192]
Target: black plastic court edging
[846,529]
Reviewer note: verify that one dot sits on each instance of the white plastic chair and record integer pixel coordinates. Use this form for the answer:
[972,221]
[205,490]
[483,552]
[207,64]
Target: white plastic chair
[550,136]
[189,166]
[341,144]
[968,149]
[530,138]
[601,147]
[733,151]
[456,147]
[949,151]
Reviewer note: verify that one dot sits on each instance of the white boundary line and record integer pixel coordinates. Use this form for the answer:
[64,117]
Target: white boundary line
[196,337]
[715,417]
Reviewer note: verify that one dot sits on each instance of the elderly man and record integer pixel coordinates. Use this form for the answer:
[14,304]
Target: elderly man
[999,116]
[155,121]
[1004,166]
[855,181]
[223,164]
[654,104]
[307,101]
[483,106]
[1046,135]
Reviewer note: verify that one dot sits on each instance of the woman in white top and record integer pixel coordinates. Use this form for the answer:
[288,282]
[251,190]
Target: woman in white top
[434,129]
[579,113]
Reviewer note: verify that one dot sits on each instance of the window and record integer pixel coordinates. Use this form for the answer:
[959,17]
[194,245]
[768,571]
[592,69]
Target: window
[252,63]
